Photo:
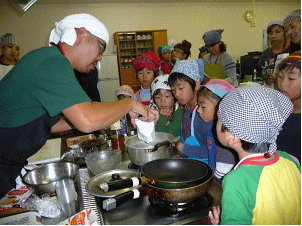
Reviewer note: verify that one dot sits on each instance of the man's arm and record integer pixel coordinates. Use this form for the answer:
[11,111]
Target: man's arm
[91,116]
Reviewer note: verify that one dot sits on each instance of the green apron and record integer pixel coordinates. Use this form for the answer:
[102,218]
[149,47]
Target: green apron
[214,70]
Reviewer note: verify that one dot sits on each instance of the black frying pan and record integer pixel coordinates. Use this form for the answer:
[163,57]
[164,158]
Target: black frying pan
[168,174]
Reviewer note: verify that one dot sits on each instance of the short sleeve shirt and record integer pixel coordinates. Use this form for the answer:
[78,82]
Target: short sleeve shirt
[42,82]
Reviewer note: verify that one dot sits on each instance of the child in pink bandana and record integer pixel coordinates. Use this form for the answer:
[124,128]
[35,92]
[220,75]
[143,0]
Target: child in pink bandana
[209,96]
[145,66]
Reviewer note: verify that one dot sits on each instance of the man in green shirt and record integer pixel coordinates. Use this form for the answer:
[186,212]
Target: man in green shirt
[42,88]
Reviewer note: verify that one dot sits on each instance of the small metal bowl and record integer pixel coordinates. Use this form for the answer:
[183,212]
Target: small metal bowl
[43,179]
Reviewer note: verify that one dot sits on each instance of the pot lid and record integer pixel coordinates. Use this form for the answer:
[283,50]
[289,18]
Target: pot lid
[93,185]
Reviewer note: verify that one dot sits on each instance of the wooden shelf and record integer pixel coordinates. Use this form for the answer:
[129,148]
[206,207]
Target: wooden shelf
[128,75]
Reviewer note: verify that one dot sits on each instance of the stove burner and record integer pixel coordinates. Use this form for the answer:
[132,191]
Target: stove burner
[134,166]
[164,208]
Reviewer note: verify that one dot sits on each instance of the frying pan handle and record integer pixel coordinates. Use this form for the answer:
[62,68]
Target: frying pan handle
[120,184]
[111,203]
[164,143]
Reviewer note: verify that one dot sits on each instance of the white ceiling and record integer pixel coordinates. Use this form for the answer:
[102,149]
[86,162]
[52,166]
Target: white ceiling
[147,1]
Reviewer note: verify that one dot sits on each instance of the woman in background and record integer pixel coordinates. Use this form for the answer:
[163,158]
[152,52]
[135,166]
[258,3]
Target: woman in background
[10,53]
[292,27]
[218,64]
[276,36]
[181,51]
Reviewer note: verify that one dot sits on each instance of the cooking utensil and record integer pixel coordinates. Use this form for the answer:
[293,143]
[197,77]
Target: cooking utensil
[99,162]
[140,152]
[163,176]
[93,185]
[167,174]
[113,198]
[43,179]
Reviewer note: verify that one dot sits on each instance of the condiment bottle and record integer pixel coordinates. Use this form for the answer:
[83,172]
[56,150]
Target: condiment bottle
[255,75]
[117,138]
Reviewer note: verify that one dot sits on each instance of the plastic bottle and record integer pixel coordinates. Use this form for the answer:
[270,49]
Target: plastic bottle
[117,138]
[255,75]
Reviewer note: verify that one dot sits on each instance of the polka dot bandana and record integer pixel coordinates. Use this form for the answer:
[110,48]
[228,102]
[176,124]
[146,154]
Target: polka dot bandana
[191,68]
[219,87]
[125,90]
[147,60]
[255,114]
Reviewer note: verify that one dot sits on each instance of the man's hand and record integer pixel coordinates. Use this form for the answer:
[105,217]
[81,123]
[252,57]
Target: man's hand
[215,215]
[144,113]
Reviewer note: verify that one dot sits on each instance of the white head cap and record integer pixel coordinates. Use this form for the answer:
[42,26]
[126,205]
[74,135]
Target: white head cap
[65,29]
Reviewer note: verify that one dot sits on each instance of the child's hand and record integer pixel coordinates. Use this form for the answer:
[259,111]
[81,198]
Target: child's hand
[166,112]
[215,215]
[178,146]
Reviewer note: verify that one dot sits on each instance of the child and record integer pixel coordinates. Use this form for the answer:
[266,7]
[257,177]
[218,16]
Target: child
[289,83]
[10,53]
[209,96]
[265,186]
[124,92]
[185,81]
[145,66]
[170,112]
[165,65]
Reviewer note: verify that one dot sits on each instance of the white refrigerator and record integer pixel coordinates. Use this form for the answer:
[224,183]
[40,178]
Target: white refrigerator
[108,78]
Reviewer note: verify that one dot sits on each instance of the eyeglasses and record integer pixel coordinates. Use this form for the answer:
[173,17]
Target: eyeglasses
[177,51]
[102,47]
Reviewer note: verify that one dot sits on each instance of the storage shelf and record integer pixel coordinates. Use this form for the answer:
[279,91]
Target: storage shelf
[134,48]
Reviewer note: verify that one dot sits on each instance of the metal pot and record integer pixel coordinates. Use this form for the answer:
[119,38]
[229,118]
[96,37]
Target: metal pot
[43,179]
[140,152]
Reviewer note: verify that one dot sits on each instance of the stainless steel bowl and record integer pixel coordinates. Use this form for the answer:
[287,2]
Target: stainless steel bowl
[43,179]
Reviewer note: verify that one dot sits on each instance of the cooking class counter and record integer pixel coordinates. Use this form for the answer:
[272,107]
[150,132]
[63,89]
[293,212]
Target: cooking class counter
[146,214]
[140,211]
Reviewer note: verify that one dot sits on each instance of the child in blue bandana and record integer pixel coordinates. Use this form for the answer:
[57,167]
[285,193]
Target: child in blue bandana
[185,81]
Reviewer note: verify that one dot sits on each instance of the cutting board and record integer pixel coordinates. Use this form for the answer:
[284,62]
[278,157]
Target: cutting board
[50,152]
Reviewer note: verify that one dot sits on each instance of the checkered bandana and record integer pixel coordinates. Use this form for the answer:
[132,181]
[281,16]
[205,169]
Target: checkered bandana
[255,114]
[125,90]
[295,15]
[8,38]
[219,87]
[191,68]
[147,60]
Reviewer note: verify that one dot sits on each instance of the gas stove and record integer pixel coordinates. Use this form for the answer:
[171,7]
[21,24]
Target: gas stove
[148,211]
[142,211]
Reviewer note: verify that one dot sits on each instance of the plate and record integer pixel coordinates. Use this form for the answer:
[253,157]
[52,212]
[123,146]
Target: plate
[93,185]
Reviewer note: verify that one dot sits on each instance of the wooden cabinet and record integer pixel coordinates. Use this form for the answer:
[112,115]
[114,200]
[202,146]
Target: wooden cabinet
[130,45]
